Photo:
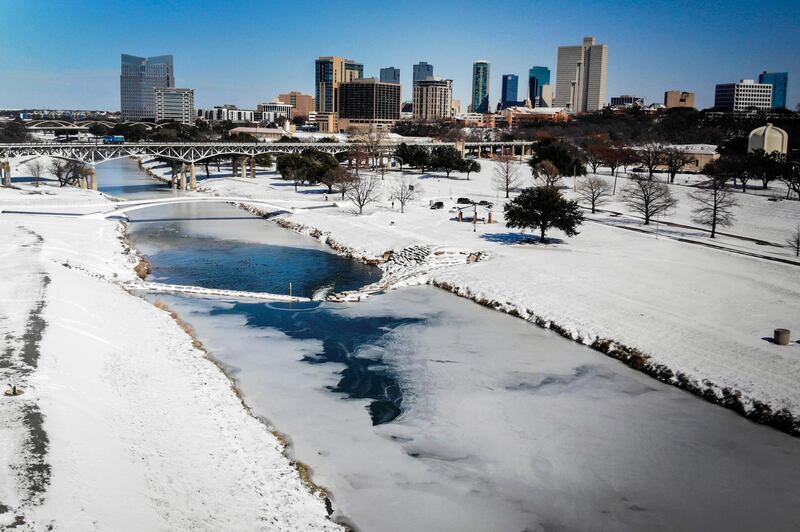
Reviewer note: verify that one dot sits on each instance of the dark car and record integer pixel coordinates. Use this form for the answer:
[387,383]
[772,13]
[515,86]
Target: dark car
[487,204]
[437,205]
[464,201]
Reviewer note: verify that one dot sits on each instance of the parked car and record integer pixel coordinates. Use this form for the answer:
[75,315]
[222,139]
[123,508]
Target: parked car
[437,205]
[487,204]
[464,201]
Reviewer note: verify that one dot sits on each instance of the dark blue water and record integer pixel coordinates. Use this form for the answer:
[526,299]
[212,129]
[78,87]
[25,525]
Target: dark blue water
[342,337]
[256,267]
[221,246]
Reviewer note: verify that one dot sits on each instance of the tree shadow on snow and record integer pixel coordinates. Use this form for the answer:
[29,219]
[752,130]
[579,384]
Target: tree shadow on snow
[511,239]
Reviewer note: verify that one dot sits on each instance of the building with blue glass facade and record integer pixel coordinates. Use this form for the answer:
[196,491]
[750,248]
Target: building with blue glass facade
[422,71]
[508,94]
[780,84]
[480,87]
[390,75]
[537,76]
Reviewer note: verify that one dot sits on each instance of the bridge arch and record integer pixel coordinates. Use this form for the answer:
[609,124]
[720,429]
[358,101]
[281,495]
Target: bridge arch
[132,206]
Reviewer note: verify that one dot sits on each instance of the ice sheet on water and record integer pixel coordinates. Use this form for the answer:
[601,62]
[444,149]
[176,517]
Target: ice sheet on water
[505,427]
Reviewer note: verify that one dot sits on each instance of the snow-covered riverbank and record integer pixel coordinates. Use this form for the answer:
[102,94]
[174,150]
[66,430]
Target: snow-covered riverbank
[694,316]
[124,424]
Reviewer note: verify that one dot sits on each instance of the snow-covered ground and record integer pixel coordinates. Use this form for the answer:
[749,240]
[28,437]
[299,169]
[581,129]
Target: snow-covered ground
[124,424]
[702,313]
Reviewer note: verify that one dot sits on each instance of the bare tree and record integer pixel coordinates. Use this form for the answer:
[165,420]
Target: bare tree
[650,155]
[595,151]
[647,197]
[344,181]
[373,141]
[69,172]
[506,173]
[675,160]
[363,191]
[403,191]
[791,178]
[595,190]
[37,168]
[715,204]
[547,172]
[794,241]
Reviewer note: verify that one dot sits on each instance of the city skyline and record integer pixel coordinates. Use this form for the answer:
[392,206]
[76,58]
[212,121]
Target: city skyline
[644,60]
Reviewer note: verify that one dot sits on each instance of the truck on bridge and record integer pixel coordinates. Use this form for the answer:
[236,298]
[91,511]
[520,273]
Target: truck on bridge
[113,139]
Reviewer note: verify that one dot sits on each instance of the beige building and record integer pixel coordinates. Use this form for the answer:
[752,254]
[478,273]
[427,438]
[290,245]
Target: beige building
[581,77]
[546,99]
[302,104]
[433,99]
[264,134]
[519,116]
[768,138]
[674,99]
[331,71]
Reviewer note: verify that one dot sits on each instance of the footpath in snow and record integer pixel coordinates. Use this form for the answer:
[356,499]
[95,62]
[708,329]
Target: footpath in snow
[689,314]
[124,424]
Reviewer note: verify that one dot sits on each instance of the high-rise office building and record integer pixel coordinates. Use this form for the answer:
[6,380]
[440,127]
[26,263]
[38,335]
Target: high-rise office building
[581,76]
[674,99]
[175,105]
[480,87]
[508,93]
[329,73]
[433,99]
[422,70]
[780,85]
[368,102]
[390,75]
[138,80]
[743,96]
[538,76]
[302,104]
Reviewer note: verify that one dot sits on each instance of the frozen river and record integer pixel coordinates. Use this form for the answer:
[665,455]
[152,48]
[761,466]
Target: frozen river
[420,410]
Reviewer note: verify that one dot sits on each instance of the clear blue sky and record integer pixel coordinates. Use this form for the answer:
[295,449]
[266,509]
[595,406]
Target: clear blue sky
[66,53]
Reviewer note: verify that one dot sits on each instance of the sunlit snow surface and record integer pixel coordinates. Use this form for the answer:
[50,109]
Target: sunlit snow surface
[504,426]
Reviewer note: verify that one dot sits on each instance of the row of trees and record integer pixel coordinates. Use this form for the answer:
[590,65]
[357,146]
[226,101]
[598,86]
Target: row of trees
[714,201]
[443,158]
[756,166]
[313,167]
[67,172]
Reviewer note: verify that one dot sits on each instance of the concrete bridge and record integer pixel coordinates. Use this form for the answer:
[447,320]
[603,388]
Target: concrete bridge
[211,292]
[192,153]
[122,208]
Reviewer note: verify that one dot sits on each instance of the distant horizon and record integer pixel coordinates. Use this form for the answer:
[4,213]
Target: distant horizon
[689,49]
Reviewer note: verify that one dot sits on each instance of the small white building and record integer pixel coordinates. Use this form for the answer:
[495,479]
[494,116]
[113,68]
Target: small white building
[768,138]
[271,111]
[227,113]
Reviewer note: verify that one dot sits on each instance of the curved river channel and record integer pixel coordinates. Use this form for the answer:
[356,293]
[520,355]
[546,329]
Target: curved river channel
[422,411]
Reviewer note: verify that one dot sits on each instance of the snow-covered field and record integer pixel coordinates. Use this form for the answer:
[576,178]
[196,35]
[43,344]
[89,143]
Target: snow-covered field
[124,424]
[702,313]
